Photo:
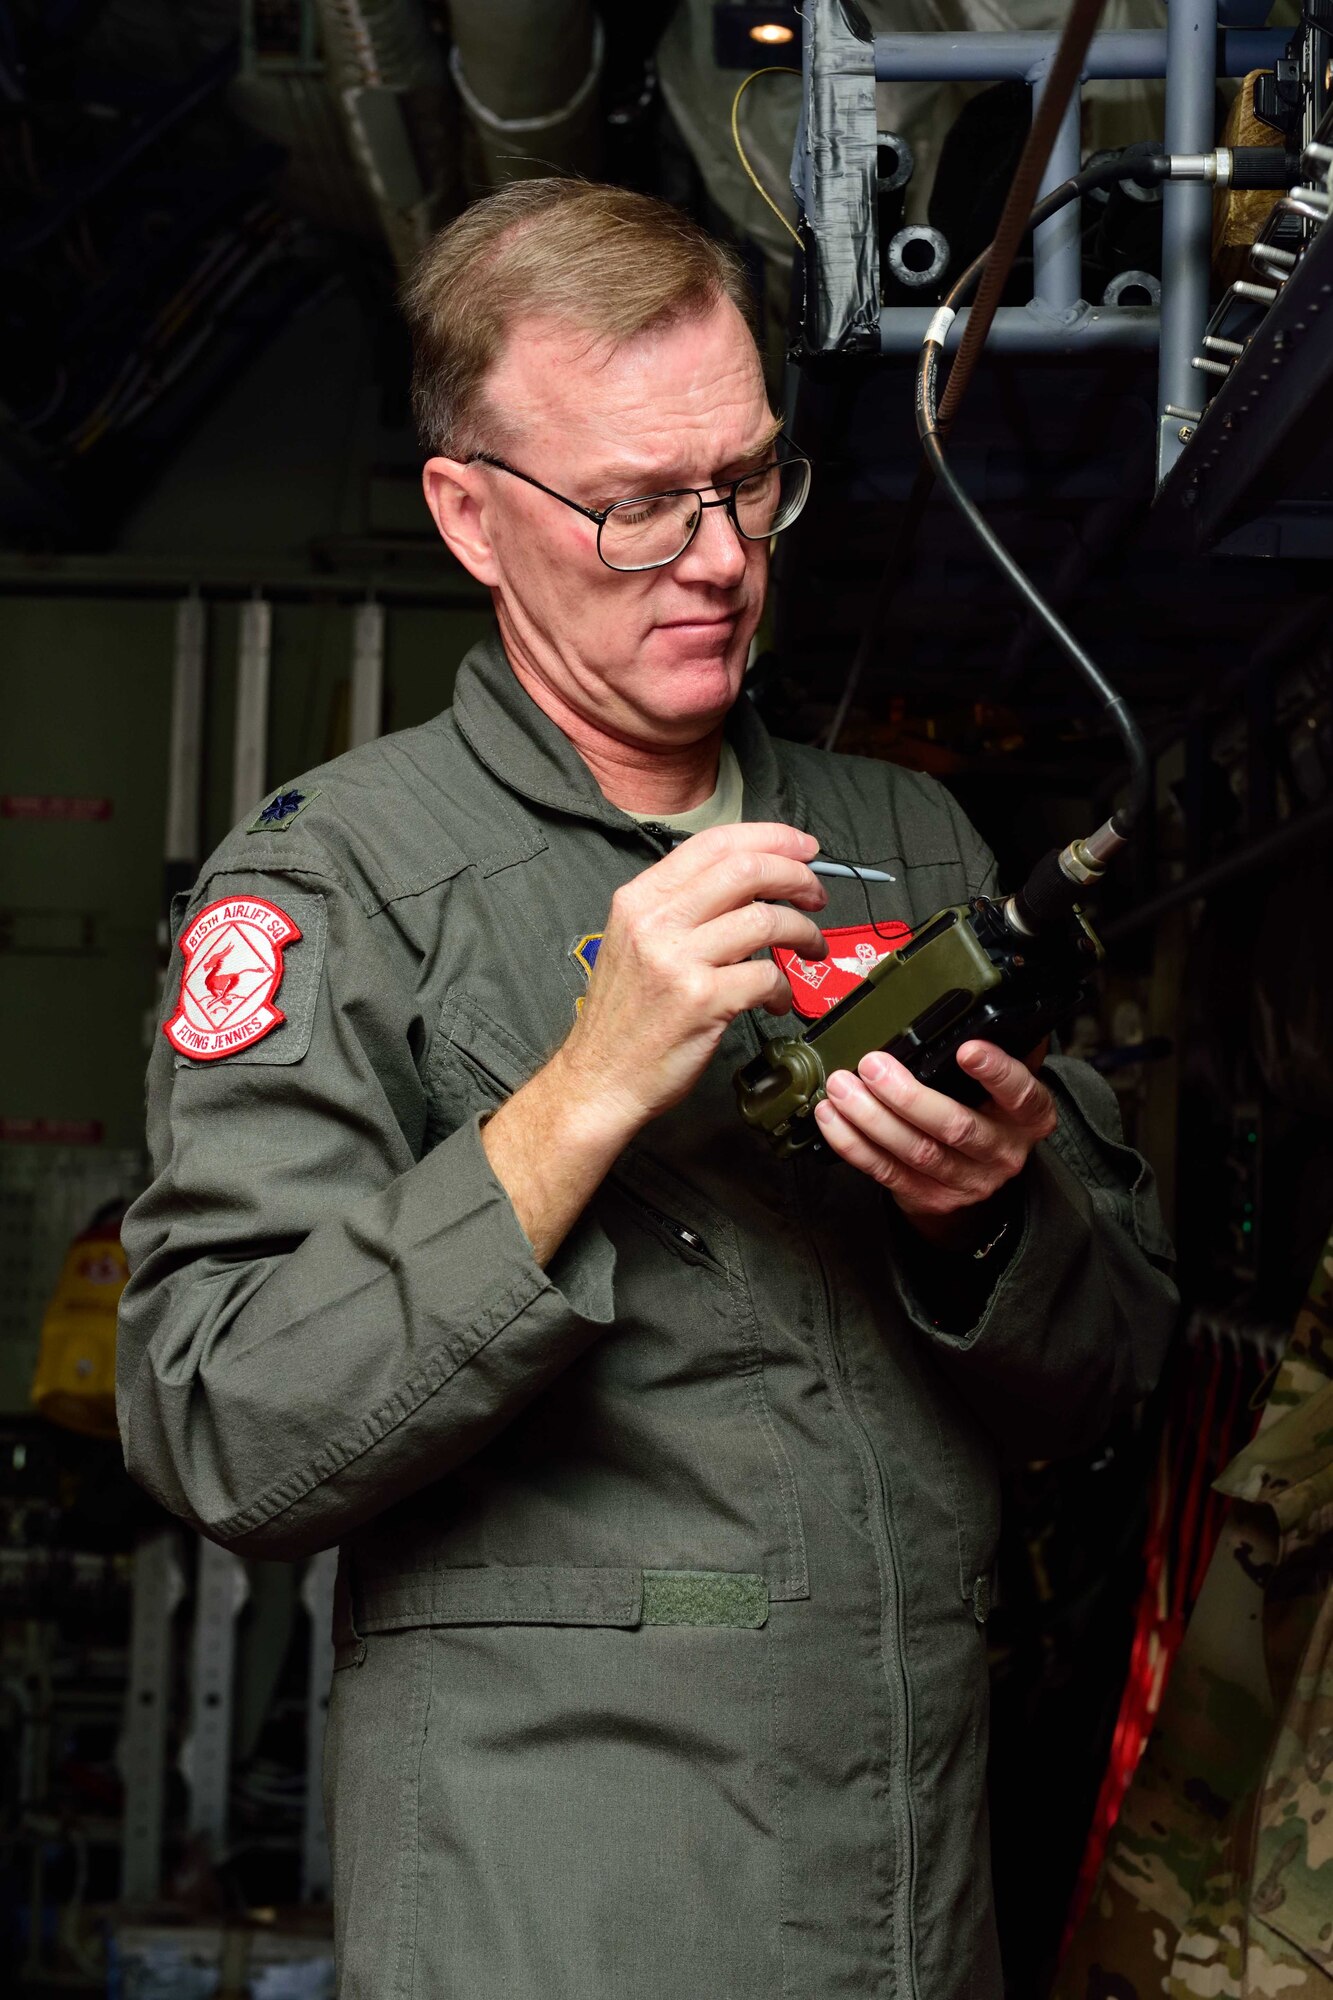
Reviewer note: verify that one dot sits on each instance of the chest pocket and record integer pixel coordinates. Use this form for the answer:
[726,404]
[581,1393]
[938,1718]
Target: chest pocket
[658,1448]
[474,1065]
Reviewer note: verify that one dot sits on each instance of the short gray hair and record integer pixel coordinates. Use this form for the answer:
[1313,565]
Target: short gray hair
[602,260]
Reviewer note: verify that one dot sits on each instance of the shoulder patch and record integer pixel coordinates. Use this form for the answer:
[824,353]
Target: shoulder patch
[281,810]
[235,969]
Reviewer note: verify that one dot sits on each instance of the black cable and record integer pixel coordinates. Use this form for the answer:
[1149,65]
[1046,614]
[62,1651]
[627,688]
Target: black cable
[1251,167]
[895,566]
[1146,170]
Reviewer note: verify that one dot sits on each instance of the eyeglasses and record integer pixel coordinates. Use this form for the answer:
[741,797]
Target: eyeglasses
[656,528]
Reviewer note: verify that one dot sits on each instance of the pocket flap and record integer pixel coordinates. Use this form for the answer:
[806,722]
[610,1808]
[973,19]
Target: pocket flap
[532,1595]
[492,1595]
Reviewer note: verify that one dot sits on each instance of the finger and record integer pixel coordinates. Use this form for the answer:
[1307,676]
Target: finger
[954,1125]
[754,983]
[852,1145]
[1015,1090]
[744,876]
[758,927]
[698,851]
[885,1129]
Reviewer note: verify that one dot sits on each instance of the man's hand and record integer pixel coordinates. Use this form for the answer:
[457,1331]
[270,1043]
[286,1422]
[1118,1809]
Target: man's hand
[939,1160]
[674,969]
[676,966]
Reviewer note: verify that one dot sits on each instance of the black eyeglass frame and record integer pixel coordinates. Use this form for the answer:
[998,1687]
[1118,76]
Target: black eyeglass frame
[727,499]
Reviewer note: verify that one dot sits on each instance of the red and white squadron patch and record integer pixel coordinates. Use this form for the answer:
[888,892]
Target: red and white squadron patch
[817,984]
[233,969]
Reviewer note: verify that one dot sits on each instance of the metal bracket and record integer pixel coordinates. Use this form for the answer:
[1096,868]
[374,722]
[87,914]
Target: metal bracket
[367,720]
[158,1587]
[221,1588]
[250,754]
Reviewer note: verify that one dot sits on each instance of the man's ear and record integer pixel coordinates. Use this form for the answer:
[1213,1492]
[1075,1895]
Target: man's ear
[454,495]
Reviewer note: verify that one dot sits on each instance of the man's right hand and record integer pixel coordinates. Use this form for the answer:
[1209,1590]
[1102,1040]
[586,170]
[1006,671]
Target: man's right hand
[674,969]
[676,966]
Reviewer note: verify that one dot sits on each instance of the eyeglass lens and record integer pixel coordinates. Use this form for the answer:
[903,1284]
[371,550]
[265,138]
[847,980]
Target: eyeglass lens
[643,534]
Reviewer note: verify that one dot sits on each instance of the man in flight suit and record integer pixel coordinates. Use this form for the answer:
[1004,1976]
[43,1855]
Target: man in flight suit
[663,1472]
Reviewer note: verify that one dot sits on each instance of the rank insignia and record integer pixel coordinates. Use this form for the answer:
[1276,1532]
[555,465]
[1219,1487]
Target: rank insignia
[281,810]
[818,984]
[233,969]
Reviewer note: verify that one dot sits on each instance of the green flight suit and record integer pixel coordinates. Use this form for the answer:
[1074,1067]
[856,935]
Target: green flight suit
[661,1663]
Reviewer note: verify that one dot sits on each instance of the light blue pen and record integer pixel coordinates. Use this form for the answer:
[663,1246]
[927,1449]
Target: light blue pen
[854,874]
[843,868]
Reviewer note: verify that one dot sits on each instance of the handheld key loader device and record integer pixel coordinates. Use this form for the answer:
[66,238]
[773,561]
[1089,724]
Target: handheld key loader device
[968,973]
[1002,972]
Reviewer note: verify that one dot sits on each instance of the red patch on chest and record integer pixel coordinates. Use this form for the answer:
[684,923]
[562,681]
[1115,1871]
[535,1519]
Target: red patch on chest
[817,984]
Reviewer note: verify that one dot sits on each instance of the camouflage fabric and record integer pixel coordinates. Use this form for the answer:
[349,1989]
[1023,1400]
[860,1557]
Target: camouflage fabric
[1218,1880]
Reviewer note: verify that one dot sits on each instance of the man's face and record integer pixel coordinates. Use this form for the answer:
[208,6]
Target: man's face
[655,656]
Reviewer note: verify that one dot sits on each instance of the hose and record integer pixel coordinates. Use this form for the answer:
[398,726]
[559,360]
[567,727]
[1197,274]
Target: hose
[931,423]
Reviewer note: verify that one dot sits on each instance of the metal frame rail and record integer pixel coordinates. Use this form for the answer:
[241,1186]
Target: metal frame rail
[1259,461]
[833,172]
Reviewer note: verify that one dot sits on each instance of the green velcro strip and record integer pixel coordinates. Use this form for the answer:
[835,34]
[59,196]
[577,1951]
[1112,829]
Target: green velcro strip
[704,1597]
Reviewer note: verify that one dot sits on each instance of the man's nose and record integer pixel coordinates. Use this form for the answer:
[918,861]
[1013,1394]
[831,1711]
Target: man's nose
[717,553]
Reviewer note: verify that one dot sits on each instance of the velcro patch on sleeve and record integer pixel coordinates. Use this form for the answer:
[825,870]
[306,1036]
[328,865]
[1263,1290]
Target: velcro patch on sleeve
[854,950]
[249,982]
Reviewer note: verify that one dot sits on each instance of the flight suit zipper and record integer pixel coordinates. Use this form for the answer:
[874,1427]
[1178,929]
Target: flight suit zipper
[872,1472]
[895,1671]
[677,1232]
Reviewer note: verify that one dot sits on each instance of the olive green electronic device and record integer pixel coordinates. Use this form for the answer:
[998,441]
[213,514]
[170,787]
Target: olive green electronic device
[972,971]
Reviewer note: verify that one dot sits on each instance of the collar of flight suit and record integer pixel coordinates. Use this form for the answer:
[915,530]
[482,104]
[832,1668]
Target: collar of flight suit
[521,746]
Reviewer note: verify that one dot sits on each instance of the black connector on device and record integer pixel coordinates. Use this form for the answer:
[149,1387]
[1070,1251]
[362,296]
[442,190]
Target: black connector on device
[1046,897]
[1254,167]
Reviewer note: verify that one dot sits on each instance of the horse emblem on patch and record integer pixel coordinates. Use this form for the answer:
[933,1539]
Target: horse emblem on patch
[233,969]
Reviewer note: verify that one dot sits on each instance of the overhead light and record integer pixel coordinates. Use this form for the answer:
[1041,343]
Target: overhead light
[743,28]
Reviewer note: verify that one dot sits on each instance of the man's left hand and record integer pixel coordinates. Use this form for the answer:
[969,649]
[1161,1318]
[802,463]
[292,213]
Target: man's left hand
[938,1159]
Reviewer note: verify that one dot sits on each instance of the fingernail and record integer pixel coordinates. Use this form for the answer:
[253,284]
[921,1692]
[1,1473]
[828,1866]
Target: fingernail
[811,844]
[838,1084]
[874,1066]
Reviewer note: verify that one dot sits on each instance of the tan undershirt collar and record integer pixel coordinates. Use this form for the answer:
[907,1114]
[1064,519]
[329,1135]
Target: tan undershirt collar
[722,809]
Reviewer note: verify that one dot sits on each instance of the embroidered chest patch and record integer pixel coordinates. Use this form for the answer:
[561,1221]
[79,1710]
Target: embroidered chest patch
[854,950]
[584,955]
[233,969]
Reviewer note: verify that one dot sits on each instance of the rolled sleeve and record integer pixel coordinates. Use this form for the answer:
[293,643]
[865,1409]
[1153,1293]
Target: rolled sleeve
[319,1321]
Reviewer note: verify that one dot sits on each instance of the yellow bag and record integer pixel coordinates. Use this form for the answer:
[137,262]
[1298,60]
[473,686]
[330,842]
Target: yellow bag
[75,1379]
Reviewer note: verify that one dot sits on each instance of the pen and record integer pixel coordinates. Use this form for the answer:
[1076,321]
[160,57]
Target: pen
[856,874]
[844,868]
